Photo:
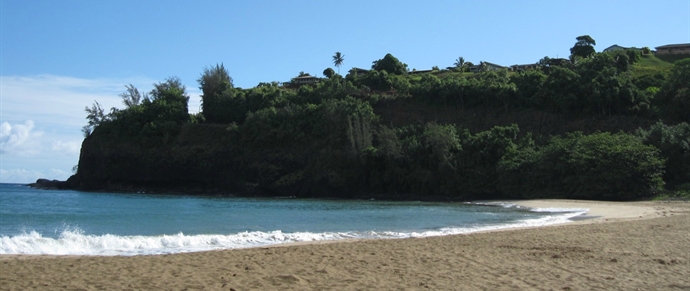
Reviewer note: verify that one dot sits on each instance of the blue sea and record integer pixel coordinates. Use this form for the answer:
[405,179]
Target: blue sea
[85,223]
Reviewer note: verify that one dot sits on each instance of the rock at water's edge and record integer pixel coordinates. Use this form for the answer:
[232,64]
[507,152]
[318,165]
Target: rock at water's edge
[46,184]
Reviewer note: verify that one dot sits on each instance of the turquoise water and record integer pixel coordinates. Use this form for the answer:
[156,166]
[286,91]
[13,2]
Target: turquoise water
[71,222]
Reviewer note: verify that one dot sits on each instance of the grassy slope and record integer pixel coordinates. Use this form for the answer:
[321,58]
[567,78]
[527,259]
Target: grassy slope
[648,64]
[652,64]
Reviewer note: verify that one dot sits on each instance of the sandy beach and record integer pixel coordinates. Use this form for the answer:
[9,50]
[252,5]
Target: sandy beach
[619,246]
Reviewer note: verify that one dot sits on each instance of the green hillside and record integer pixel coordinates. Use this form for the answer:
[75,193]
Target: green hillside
[650,65]
[610,126]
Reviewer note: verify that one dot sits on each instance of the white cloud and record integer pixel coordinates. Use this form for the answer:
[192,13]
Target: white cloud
[59,100]
[19,139]
[5,129]
[66,147]
[59,174]
[19,176]
[41,117]
[194,105]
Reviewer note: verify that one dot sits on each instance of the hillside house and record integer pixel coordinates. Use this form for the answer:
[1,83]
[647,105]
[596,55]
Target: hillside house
[358,72]
[558,62]
[616,47]
[420,72]
[674,49]
[305,80]
[525,67]
[489,67]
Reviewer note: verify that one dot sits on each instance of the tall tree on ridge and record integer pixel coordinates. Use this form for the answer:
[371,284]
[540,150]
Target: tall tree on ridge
[338,60]
[584,47]
[460,63]
[213,82]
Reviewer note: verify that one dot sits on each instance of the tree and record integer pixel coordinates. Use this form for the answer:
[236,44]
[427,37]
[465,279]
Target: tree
[169,101]
[460,63]
[545,61]
[329,73]
[338,60]
[483,67]
[132,97]
[213,82]
[674,96]
[390,64]
[215,79]
[673,143]
[95,115]
[584,47]
[600,166]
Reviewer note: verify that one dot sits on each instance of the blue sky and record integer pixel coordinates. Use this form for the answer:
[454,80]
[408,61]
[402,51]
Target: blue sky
[56,57]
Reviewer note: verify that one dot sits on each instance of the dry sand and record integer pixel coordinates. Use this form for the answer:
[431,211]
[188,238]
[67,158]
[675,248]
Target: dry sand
[628,246]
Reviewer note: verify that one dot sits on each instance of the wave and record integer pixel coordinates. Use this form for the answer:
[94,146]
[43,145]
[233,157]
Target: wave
[75,242]
[547,209]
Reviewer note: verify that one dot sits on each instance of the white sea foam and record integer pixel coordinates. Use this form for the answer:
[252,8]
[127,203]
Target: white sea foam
[75,242]
[548,209]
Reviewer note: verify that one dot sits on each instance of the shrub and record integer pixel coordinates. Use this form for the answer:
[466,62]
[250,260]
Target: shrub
[600,166]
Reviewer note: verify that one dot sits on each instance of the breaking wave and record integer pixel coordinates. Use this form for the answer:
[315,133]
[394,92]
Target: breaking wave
[75,242]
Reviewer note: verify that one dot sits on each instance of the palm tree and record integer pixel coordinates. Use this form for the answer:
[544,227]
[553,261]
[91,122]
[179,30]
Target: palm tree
[460,63]
[338,60]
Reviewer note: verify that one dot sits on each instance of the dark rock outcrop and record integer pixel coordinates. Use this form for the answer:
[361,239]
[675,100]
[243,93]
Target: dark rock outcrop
[46,184]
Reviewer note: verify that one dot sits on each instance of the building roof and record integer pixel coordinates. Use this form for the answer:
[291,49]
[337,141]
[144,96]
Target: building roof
[420,71]
[525,65]
[673,46]
[615,46]
[306,77]
[492,64]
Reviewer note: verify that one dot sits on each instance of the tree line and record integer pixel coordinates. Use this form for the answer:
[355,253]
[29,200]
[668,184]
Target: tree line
[325,140]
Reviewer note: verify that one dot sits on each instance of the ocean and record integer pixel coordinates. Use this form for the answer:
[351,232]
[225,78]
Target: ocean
[86,223]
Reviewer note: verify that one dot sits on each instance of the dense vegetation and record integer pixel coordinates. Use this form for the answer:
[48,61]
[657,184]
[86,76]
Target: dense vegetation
[390,134]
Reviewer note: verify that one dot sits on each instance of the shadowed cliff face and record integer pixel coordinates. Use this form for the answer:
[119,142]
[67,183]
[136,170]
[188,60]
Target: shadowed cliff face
[539,123]
[310,158]
[199,159]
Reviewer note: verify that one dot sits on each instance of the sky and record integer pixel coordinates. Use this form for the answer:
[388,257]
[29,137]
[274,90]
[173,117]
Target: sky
[57,57]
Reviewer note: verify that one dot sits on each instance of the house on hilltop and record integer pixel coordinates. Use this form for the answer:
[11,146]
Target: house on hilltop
[487,66]
[558,62]
[525,67]
[674,49]
[420,72]
[302,80]
[306,80]
[358,72]
[616,47]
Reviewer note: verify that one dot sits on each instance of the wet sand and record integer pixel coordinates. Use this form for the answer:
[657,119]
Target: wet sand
[619,246]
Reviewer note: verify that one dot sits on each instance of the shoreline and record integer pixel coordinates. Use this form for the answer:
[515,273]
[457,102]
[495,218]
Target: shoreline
[626,245]
[600,211]
[597,212]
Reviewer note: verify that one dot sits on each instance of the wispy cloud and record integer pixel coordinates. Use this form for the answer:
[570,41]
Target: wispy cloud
[62,99]
[49,99]
[60,174]
[41,117]
[66,147]
[19,176]
[19,139]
